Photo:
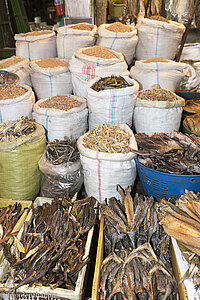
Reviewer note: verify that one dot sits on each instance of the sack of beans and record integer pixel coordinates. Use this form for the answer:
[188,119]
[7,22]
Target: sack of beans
[167,73]
[119,37]
[53,74]
[158,37]
[61,171]
[36,44]
[62,115]
[111,100]
[157,110]
[91,62]
[18,66]
[106,160]
[72,37]
[16,100]
[22,143]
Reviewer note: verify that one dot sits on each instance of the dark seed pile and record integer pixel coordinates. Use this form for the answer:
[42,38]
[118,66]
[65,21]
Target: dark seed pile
[157,95]
[110,82]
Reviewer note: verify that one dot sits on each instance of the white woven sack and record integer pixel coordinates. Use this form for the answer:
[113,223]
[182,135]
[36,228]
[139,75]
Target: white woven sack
[103,171]
[124,42]
[14,109]
[83,68]
[57,81]
[167,75]
[112,106]
[157,116]
[191,52]
[21,69]
[69,40]
[36,47]
[61,123]
[196,66]
[157,38]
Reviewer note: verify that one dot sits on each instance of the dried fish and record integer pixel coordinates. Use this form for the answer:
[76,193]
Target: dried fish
[52,246]
[11,130]
[192,123]
[107,138]
[137,262]
[157,95]
[171,152]
[192,107]
[110,82]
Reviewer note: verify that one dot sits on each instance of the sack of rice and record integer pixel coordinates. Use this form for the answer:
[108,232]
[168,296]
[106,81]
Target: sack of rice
[119,37]
[36,44]
[106,160]
[22,143]
[111,100]
[53,74]
[62,115]
[72,37]
[167,73]
[91,62]
[157,110]
[158,37]
[18,66]
[61,170]
[16,100]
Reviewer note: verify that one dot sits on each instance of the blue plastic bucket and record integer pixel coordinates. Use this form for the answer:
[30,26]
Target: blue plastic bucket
[164,185]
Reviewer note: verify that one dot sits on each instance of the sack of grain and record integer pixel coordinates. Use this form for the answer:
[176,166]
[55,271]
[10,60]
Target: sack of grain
[113,105]
[91,62]
[119,37]
[191,52]
[16,100]
[157,110]
[158,38]
[36,44]
[62,116]
[167,73]
[61,178]
[53,74]
[19,66]
[19,156]
[103,171]
[72,37]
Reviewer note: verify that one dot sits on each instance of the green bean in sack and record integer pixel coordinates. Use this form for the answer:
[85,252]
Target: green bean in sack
[22,143]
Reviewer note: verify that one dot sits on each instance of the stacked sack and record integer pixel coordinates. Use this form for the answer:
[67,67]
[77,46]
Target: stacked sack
[53,74]
[18,66]
[119,37]
[36,44]
[91,62]
[72,37]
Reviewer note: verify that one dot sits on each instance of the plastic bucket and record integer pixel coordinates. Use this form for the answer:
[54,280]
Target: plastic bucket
[116,8]
[164,185]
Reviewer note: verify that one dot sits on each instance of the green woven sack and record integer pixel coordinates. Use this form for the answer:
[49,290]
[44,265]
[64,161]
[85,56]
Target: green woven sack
[19,171]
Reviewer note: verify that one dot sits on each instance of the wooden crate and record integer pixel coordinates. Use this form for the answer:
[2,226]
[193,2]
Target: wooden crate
[18,225]
[186,289]
[99,260]
[43,292]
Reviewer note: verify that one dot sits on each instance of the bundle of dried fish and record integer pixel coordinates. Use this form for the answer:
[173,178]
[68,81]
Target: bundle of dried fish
[110,82]
[52,246]
[137,263]
[157,95]
[107,138]
[182,222]
[13,129]
[171,152]
[59,152]
[192,107]
[192,123]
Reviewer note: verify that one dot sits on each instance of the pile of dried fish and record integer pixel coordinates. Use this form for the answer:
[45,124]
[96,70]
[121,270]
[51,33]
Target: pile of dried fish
[137,263]
[59,152]
[11,130]
[52,245]
[171,152]
[192,123]
[8,218]
[110,82]
[182,222]
[107,138]
[192,107]
[157,95]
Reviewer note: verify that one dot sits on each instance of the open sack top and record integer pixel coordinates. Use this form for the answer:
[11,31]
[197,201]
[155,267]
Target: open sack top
[103,31]
[50,71]
[170,25]
[68,30]
[34,35]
